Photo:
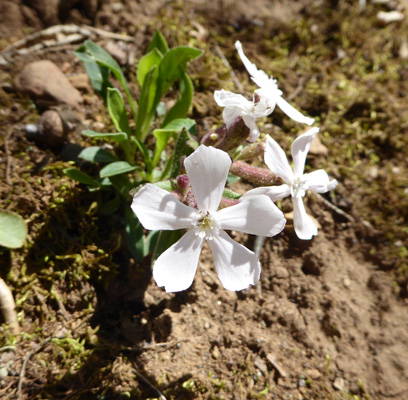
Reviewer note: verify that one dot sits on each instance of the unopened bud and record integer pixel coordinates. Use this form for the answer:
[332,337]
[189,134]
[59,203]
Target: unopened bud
[183,182]
[255,175]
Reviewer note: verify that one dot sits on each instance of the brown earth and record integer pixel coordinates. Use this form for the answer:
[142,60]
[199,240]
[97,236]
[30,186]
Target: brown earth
[328,319]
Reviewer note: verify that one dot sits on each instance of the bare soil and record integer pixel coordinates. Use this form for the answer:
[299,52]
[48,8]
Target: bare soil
[329,318]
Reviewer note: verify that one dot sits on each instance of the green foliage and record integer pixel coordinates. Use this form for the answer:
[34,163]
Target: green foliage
[135,160]
[13,230]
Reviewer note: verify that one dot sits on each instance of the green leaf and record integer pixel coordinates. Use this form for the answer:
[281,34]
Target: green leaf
[229,194]
[134,235]
[80,177]
[116,168]
[122,184]
[173,64]
[115,136]
[145,151]
[104,59]
[13,230]
[146,109]
[95,154]
[180,109]
[109,207]
[163,135]
[117,110]
[146,63]
[158,42]
[182,150]
[98,74]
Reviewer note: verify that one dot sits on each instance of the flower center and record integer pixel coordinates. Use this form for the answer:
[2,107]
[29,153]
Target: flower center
[298,188]
[205,225]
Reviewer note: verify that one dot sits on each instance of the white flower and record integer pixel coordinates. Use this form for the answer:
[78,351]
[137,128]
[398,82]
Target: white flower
[296,182]
[237,105]
[237,267]
[268,89]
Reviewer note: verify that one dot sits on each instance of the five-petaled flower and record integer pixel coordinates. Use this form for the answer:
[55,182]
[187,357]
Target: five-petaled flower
[268,89]
[237,105]
[296,182]
[237,267]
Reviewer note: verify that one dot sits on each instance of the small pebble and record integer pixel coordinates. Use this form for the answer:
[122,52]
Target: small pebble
[338,384]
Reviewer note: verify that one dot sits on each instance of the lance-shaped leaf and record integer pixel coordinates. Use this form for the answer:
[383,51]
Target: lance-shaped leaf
[158,42]
[81,177]
[117,110]
[163,135]
[103,58]
[116,168]
[173,64]
[95,154]
[115,136]
[146,110]
[146,63]
[98,74]
[134,235]
[185,145]
[180,109]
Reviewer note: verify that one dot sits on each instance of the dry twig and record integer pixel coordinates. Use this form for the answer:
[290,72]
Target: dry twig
[227,64]
[24,366]
[147,382]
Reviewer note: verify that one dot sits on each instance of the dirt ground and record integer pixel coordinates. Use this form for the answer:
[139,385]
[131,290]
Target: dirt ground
[329,318]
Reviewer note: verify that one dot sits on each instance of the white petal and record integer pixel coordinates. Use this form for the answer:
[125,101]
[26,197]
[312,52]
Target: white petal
[276,160]
[259,77]
[275,193]
[269,97]
[318,181]
[230,114]
[256,215]
[300,148]
[176,267]
[262,108]
[332,184]
[305,228]
[207,169]
[249,121]
[157,209]
[237,267]
[224,99]
[291,112]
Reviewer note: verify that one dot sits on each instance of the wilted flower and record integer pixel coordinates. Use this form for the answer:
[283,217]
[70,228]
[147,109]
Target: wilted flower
[237,267]
[296,182]
[268,89]
[237,105]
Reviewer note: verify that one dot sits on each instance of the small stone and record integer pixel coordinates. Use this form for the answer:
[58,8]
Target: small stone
[390,16]
[317,148]
[313,373]
[3,372]
[281,272]
[216,353]
[44,81]
[261,365]
[403,50]
[346,282]
[80,82]
[338,384]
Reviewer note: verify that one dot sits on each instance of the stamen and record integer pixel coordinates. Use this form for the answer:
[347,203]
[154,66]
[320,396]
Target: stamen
[298,188]
[205,225]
